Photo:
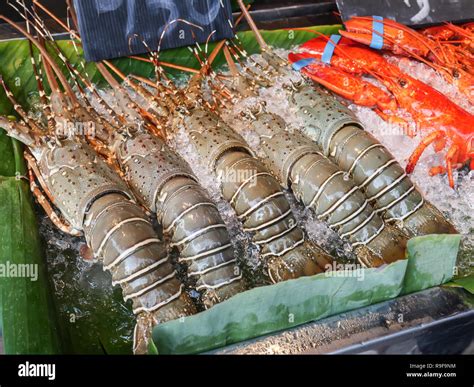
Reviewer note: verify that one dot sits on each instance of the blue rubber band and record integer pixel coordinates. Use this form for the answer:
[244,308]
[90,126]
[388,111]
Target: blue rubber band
[302,63]
[377,33]
[329,49]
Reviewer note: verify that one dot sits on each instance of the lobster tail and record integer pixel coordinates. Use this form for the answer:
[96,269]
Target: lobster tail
[427,220]
[256,197]
[199,233]
[165,184]
[388,245]
[374,170]
[120,235]
[262,207]
[321,186]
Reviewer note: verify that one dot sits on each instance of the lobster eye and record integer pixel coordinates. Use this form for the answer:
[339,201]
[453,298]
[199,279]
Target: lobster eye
[402,83]
[456,74]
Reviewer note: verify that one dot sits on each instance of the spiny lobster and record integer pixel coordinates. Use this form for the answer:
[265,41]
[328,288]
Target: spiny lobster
[93,200]
[165,185]
[321,186]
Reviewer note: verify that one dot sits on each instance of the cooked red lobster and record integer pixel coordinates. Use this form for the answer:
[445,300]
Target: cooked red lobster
[431,110]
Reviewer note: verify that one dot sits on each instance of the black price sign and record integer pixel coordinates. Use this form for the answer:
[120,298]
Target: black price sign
[115,28]
[410,12]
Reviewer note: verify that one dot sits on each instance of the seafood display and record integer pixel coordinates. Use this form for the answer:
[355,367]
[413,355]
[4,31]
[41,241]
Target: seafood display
[166,186]
[256,197]
[145,207]
[373,169]
[250,189]
[93,200]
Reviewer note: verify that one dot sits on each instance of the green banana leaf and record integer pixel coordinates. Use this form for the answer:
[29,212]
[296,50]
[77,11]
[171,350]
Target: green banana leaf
[260,311]
[466,283]
[432,263]
[27,312]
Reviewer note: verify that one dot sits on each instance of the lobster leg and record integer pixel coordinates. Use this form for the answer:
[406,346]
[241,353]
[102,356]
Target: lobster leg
[45,203]
[415,156]
[33,166]
[451,157]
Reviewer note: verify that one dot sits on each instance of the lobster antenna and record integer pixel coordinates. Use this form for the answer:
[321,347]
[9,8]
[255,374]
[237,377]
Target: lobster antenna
[46,55]
[420,58]
[98,141]
[206,47]
[147,95]
[165,29]
[36,67]
[242,50]
[207,68]
[245,13]
[406,29]
[72,12]
[189,69]
[252,25]
[167,89]
[102,69]
[166,64]
[75,36]
[43,34]
[239,48]
[73,72]
[56,19]
[49,74]
[416,56]
[46,34]
[153,56]
[24,116]
[238,53]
